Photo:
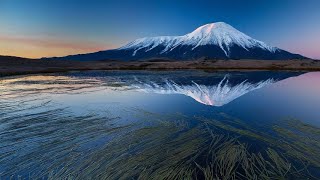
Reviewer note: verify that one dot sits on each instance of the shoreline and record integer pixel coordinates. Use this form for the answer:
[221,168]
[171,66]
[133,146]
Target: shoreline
[12,66]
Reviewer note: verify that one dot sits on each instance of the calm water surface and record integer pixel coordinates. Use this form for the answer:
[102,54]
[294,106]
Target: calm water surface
[160,125]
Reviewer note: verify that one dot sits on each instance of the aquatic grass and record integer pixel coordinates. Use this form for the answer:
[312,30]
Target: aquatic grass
[52,142]
[236,127]
[125,152]
[297,141]
[231,159]
[162,150]
[300,140]
[167,152]
[51,138]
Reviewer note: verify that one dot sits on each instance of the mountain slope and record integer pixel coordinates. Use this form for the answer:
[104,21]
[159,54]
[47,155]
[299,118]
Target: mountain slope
[211,41]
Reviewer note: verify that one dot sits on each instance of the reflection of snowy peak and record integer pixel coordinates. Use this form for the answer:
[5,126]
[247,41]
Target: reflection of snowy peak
[212,41]
[215,95]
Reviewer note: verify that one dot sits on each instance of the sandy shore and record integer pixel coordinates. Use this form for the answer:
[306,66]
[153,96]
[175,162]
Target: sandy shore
[17,66]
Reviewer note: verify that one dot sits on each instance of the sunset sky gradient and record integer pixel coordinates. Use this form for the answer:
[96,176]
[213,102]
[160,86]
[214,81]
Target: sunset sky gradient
[42,28]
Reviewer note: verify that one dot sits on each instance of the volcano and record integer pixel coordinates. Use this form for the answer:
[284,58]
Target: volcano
[211,41]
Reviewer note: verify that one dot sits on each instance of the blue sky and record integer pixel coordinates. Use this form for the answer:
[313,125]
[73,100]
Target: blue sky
[36,28]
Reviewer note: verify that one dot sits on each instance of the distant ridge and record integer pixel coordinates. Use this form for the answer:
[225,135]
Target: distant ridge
[211,41]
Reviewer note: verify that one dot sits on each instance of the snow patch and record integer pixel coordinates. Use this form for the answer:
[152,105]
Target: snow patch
[220,34]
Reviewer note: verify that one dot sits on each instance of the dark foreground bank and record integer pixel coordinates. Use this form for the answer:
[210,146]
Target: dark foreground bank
[17,66]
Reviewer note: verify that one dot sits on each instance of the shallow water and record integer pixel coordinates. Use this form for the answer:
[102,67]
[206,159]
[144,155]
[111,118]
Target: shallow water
[142,125]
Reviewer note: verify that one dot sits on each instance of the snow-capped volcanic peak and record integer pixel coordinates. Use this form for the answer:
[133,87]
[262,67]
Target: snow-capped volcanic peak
[219,34]
[211,41]
[224,35]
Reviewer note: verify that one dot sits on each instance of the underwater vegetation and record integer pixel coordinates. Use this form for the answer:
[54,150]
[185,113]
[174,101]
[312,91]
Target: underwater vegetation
[171,150]
[42,137]
[158,147]
[297,141]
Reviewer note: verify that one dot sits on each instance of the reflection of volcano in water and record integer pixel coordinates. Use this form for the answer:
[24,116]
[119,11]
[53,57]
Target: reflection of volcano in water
[213,95]
[210,88]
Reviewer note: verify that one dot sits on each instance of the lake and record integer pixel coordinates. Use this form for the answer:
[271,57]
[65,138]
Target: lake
[160,125]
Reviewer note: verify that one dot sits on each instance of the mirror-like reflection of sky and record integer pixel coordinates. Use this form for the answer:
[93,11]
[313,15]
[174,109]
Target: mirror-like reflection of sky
[35,108]
[271,95]
[297,97]
[284,95]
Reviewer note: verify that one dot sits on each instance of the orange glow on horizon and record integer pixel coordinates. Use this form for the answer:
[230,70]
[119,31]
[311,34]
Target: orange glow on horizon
[46,47]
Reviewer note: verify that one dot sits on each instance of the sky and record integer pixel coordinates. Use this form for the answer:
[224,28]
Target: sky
[45,28]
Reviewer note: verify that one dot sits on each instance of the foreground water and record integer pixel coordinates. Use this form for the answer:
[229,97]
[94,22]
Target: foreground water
[160,125]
